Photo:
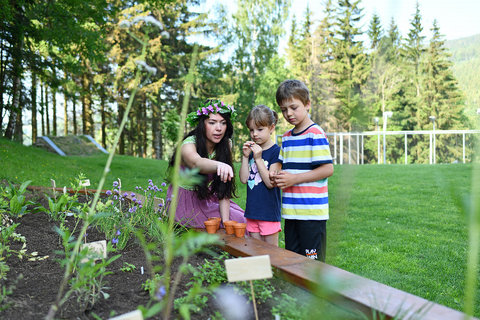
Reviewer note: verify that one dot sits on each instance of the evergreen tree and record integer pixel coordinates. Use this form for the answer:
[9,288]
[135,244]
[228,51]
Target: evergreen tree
[350,67]
[374,31]
[412,54]
[322,87]
[441,98]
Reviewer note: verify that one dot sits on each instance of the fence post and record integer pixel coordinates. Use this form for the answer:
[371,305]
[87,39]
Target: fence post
[358,151]
[341,148]
[349,148]
[363,156]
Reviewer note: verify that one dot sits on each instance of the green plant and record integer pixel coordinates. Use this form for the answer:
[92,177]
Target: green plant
[58,208]
[128,267]
[152,285]
[287,307]
[87,282]
[17,203]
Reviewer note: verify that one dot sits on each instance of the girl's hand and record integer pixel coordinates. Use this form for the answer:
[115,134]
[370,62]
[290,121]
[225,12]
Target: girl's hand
[224,171]
[246,148]
[257,151]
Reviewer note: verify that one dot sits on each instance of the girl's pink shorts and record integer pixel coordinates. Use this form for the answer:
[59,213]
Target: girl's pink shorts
[265,228]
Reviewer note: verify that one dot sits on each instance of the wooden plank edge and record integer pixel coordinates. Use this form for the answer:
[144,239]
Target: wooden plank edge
[374,299]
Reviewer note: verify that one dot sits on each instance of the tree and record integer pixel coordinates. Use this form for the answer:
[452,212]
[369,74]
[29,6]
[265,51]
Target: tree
[350,67]
[374,31]
[441,98]
[254,34]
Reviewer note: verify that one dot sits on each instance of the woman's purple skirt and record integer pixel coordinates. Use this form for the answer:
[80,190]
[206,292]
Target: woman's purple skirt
[192,212]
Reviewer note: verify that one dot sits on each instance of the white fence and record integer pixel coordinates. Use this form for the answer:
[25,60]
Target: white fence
[336,140]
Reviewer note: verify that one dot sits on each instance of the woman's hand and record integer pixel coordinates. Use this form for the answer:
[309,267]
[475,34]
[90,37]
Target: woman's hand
[224,171]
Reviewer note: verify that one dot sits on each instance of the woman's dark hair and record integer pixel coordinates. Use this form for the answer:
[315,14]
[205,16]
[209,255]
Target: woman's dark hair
[223,153]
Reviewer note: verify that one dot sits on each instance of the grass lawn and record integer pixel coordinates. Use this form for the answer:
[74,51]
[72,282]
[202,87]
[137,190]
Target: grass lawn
[403,226]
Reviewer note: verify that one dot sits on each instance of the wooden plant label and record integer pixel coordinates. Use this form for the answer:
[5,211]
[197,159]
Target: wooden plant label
[251,268]
[85,183]
[96,250]
[54,185]
[132,315]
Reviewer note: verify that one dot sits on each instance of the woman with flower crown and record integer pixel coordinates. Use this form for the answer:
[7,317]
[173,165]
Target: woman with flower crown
[208,148]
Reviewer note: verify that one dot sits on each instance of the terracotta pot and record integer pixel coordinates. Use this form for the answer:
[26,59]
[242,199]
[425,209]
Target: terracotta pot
[240,229]
[217,220]
[229,226]
[211,226]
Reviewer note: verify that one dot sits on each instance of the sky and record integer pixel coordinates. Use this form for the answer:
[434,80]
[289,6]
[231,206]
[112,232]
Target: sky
[456,18]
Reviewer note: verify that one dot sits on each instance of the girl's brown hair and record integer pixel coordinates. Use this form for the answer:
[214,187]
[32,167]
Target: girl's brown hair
[262,116]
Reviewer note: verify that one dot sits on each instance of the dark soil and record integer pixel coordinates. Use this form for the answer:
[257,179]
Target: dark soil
[35,283]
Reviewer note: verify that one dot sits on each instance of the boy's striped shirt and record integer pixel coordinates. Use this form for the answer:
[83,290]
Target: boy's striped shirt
[300,153]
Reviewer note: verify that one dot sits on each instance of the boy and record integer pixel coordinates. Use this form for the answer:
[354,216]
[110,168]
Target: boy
[306,164]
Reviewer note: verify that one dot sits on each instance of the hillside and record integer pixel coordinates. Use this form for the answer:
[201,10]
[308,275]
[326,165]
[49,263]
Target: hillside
[466,63]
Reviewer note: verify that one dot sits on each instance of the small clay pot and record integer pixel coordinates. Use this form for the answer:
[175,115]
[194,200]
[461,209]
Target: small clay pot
[240,229]
[217,220]
[211,226]
[229,226]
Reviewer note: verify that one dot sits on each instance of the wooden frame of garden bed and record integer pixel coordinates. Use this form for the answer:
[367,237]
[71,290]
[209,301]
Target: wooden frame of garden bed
[374,299]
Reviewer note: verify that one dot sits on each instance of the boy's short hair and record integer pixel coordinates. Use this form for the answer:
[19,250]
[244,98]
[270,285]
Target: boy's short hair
[290,89]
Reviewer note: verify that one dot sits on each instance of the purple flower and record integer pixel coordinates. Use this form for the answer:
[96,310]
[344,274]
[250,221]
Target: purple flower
[125,194]
[161,190]
[140,206]
[163,184]
[108,193]
[115,190]
[204,111]
[115,197]
[150,181]
[161,292]
[160,205]
[115,183]
[169,199]
[115,240]
[132,209]
[199,112]
[132,194]
[134,199]
[223,104]
[139,201]
[118,233]
[211,108]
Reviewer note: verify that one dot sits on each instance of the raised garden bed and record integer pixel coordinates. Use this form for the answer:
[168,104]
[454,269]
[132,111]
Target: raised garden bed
[33,285]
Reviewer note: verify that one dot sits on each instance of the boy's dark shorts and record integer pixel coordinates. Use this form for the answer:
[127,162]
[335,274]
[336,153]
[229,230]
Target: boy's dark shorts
[306,237]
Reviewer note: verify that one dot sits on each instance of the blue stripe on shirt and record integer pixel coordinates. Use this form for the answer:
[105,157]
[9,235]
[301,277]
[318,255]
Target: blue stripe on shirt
[309,201]
[303,142]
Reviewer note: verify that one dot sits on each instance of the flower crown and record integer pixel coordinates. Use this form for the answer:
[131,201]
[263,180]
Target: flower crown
[211,106]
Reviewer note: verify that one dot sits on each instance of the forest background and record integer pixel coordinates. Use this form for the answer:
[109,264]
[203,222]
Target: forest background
[81,52]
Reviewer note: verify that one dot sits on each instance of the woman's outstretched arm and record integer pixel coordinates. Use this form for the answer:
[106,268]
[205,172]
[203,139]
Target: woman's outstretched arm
[192,159]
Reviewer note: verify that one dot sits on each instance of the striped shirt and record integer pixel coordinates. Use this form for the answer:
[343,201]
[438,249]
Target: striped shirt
[302,152]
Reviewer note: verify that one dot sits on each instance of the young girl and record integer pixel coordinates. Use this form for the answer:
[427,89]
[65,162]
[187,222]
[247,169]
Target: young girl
[263,199]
